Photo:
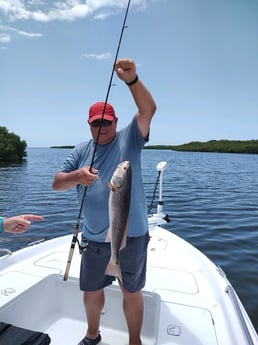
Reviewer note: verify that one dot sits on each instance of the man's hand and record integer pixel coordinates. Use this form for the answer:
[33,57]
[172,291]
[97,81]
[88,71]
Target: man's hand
[125,69]
[86,175]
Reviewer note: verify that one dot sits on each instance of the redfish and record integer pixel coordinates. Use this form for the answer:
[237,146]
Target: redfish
[119,204]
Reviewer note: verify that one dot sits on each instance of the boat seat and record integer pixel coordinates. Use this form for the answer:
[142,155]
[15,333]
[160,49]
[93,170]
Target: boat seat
[12,335]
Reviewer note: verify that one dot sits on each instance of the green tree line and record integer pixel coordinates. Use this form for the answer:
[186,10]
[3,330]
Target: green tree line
[225,146]
[12,148]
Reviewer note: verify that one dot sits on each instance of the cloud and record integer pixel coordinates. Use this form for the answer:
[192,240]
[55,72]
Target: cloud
[7,31]
[103,56]
[5,38]
[45,11]
[68,10]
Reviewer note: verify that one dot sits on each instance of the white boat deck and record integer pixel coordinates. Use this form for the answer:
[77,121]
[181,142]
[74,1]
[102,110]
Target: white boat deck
[185,297]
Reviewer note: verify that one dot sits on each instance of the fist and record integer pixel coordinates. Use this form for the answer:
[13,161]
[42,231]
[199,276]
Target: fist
[87,176]
[125,69]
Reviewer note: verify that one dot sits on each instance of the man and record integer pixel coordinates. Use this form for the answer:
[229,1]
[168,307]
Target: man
[112,148]
[18,224]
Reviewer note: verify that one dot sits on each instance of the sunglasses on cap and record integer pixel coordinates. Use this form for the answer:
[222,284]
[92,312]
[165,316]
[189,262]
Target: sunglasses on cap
[101,123]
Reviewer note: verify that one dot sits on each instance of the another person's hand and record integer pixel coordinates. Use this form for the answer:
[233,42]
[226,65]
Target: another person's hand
[19,224]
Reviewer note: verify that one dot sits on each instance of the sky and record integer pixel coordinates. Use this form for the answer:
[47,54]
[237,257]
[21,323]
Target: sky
[198,58]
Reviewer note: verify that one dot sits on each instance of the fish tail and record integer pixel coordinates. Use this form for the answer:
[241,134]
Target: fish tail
[113,269]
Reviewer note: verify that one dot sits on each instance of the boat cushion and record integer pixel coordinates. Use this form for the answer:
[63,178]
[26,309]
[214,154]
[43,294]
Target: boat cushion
[12,335]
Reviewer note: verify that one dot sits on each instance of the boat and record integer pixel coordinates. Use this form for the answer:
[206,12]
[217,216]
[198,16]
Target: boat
[187,298]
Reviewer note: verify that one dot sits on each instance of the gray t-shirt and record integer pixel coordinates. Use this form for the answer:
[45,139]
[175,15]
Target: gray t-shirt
[126,146]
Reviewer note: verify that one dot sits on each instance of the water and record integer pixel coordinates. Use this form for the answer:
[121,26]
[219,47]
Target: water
[211,199]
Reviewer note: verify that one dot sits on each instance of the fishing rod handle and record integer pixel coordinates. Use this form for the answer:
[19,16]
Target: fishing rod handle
[70,255]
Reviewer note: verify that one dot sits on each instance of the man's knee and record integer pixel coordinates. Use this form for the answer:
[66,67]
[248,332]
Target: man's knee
[131,296]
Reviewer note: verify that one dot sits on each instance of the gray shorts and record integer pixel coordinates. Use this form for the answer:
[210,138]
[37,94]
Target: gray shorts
[132,261]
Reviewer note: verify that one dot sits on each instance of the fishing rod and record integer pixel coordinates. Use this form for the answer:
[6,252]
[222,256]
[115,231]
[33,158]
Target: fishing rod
[77,226]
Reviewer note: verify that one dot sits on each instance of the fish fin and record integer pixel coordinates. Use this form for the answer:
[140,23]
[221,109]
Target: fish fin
[108,236]
[123,244]
[111,187]
[114,269]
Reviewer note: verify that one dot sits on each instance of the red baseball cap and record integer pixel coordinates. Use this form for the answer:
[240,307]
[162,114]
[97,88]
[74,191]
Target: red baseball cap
[96,110]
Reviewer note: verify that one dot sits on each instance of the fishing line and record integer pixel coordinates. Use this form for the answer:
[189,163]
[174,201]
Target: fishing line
[76,229]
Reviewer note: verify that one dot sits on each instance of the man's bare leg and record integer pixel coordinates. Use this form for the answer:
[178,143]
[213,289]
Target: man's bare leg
[133,310]
[93,304]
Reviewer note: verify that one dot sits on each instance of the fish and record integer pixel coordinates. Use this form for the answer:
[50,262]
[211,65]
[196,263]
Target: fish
[119,204]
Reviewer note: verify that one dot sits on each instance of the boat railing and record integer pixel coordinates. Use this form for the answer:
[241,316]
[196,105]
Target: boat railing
[231,292]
